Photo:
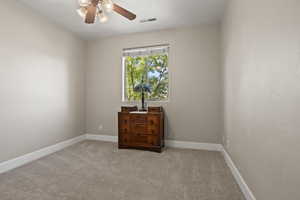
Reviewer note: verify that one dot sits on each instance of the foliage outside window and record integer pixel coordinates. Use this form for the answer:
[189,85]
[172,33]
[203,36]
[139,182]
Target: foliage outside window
[151,68]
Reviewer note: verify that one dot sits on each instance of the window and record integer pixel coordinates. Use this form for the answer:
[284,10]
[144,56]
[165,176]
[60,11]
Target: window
[146,67]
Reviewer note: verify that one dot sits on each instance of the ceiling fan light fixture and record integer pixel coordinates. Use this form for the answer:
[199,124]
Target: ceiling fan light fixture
[102,17]
[82,12]
[91,9]
[108,5]
[84,3]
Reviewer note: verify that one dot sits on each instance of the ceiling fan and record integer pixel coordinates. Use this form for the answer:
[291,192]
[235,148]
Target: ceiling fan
[90,9]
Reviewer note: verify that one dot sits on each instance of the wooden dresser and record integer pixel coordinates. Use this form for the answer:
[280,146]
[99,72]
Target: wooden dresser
[141,130]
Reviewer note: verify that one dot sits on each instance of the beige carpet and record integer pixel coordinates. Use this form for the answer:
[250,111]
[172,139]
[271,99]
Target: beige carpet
[99,171]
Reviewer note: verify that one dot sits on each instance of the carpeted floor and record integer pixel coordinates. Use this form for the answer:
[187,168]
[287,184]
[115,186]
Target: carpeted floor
[99,171]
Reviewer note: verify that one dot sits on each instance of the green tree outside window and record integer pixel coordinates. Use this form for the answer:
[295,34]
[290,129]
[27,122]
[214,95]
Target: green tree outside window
[153,69]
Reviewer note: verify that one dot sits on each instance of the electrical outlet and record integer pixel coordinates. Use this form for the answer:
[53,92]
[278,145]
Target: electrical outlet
[100,127]
[227,143]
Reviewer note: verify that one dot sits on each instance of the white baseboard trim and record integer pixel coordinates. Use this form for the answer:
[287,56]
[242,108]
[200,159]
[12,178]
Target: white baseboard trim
[238,177]
[169,143]
[105,138]
[193,145]
[22,160]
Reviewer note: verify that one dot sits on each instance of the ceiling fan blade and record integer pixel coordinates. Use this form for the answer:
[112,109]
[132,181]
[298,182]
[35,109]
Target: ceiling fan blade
[91,12]
[125,13]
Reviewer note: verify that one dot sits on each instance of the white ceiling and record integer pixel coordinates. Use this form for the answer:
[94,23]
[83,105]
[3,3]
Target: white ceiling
[170,14]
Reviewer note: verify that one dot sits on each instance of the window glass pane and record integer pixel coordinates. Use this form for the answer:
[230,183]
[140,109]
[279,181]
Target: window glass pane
[149,70]
[136,71]
[158,77]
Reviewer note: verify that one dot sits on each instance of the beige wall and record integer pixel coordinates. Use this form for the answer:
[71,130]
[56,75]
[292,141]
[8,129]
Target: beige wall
[194,110]
[262,94]
[42,87]
[41,82]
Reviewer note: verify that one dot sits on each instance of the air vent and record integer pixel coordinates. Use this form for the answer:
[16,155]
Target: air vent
[148,20]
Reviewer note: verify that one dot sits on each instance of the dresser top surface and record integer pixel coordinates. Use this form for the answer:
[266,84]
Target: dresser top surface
[139,112]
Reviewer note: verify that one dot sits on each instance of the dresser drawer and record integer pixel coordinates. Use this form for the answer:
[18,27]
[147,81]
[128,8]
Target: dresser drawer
[155,109]
[153,130]
[153,124]
[145,140]
[138,118]
[153,141]
[138,123]
[125,139]
[124,123]
[138,128]
[153,120]
[124,129]
[124,119]
[129,108]
[139,138]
